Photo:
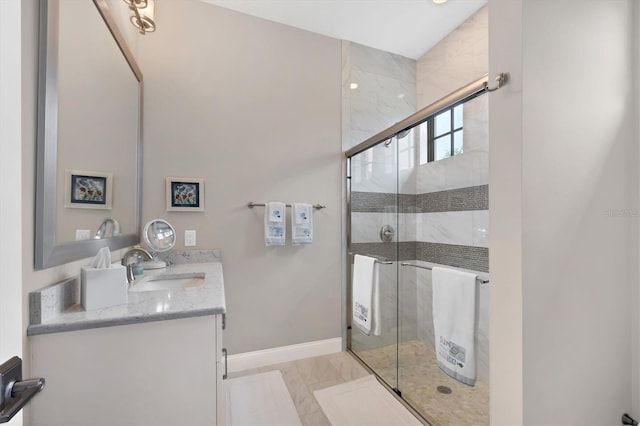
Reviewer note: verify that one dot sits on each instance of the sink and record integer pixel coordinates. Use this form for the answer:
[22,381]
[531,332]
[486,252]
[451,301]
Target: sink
[169,282]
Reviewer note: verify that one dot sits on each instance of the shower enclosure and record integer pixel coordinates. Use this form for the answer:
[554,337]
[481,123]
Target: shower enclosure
[418,197]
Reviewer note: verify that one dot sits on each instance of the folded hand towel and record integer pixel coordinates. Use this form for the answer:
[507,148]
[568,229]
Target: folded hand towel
[454,322]
[302,224]
[275,223]
[366,295]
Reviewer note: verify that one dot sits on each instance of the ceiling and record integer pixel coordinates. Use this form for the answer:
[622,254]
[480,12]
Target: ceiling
[405,27]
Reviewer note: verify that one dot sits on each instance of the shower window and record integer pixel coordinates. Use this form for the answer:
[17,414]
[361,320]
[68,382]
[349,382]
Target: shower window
[443,135]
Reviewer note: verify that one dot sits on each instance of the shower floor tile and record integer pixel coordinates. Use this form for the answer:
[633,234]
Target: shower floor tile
[419,377]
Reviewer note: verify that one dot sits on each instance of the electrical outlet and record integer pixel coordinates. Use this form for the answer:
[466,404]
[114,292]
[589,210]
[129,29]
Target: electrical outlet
[189,238]
[83,234]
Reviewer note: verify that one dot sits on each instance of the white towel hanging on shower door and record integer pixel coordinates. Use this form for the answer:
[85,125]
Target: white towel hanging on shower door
[366,295]
[454,322]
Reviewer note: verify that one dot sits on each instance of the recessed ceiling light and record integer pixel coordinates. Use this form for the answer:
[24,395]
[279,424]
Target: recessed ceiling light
[353,85]
[439,1]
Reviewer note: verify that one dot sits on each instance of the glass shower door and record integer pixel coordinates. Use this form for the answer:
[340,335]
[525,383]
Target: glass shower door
[373,210]
[446,225]
[418,199]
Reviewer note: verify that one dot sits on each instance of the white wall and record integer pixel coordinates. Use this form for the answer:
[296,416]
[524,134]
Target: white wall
[505,214]
[253,107]
[563,190]
[577,261]
[10,167]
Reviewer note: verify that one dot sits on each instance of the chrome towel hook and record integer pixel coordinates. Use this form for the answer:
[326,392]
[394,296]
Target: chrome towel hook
[501,79]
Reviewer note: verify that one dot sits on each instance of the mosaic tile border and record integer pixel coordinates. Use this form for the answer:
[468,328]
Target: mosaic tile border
[454,200]
[388,251]
[374,202]
[461,199]
[467,257]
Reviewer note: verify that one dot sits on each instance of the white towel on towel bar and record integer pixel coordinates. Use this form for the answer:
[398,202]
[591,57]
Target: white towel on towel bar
[366,295]
[454,322]
[301,224]
[275,221]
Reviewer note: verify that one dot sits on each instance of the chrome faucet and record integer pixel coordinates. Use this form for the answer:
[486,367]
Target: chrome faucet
[115,228]
[125,260]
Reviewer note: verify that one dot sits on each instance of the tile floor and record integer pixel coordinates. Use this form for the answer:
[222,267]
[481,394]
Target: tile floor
[419,377]
[304,376]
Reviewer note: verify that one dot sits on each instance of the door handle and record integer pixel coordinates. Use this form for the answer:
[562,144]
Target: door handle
[15,393]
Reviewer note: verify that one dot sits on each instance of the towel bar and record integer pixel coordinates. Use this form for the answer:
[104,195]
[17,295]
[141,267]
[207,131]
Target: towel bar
[252,205]
[379,259]
[429,268]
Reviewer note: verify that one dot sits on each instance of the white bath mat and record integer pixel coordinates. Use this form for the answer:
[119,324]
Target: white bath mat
[363,402]
[259,399]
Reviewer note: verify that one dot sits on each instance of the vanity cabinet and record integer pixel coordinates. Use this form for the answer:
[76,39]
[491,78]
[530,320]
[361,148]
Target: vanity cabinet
[151,373]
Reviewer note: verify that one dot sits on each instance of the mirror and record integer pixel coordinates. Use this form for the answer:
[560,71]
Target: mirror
[160,237]
[89,134]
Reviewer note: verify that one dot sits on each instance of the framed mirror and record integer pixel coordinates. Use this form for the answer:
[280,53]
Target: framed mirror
[89,148]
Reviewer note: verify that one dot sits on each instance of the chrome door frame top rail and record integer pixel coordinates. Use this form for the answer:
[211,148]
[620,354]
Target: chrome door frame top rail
[464,93]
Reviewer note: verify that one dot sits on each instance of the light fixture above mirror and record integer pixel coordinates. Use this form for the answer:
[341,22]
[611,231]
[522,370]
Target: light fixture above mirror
[142,17]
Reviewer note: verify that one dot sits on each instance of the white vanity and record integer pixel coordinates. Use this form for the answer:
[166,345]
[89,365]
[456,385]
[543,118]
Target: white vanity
[157,360]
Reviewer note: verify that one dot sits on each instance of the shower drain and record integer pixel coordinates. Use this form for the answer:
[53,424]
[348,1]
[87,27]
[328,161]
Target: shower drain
[444,389]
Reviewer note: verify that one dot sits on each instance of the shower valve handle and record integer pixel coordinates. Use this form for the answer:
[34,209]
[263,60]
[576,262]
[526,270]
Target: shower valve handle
[387,233]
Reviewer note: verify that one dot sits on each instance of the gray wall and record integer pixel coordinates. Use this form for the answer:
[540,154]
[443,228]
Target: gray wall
[253,107]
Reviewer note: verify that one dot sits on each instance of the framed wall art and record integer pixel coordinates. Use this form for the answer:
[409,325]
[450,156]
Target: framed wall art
[185,194]
[88,190]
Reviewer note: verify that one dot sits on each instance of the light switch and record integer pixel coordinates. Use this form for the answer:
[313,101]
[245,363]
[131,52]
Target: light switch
[190,238]
[83,234]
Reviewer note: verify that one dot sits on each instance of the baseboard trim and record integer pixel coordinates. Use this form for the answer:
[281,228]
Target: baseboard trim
[249,360]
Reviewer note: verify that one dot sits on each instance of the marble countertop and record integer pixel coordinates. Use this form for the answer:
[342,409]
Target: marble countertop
[148,306]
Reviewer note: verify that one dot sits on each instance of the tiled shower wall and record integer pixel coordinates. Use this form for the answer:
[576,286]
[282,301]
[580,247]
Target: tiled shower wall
[444,220]
[385,92]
